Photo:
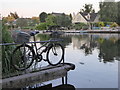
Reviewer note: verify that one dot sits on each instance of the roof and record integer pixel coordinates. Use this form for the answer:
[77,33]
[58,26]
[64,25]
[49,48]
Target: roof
[90,17]
[57,14]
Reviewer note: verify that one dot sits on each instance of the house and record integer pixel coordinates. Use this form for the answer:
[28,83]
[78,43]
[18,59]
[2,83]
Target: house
[81,17]
[57,14]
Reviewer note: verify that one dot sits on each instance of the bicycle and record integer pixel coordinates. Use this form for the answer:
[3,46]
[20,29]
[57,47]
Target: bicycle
[25,54]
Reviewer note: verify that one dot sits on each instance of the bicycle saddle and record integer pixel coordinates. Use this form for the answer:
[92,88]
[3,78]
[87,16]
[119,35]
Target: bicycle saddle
[33,33]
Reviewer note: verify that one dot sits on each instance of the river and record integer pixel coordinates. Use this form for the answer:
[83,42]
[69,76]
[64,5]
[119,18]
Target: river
[95,56]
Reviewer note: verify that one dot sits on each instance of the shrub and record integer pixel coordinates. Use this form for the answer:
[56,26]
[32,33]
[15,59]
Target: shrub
[6,50]
[41,26]
[114,25]
[79,26]
[101,24]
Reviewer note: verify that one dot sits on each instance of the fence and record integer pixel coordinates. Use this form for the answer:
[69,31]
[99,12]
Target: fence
[7,69]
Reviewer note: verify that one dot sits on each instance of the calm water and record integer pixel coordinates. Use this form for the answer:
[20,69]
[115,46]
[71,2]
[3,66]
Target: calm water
[96,59]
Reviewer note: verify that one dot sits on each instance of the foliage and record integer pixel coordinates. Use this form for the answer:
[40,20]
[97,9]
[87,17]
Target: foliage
[114,25]
[41,26]
[11,17]
[108,11]
[79,26]
[42,17]
[43,37]
[88,9]
[14,15]
[35,20]
[21,22]
[6,50]
[108,23]
[106,47]
[101,24]
[63,20]
[118,19]
[50,20]
[70,16]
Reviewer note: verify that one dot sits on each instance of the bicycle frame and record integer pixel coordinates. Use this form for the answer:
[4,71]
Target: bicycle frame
[38,55]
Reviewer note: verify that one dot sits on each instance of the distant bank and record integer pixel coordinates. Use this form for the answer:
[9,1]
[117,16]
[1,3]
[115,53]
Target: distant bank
[92,31]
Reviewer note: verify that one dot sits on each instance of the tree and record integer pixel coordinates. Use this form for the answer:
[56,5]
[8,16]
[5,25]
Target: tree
[35,21]
[41,26]
[70,16]
[108,11]
[21,22]
[118,18]
[50,20]
[61,20]
[15,15]
[88,9]
[42,17]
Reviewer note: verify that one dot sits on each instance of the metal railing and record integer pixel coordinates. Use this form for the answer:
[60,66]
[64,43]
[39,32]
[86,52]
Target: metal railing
[10,71]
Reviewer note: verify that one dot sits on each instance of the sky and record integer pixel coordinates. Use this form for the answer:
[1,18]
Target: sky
[30,8]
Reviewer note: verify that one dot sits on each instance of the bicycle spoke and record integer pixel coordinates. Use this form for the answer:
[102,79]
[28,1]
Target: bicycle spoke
[55,54]
[22,57]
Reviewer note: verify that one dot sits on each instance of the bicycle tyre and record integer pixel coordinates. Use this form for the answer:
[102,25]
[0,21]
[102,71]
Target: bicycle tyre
[59,48]
[17,57]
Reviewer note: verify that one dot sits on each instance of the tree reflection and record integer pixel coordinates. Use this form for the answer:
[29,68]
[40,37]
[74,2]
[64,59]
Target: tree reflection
[66,39]
[89,47]
[108,50]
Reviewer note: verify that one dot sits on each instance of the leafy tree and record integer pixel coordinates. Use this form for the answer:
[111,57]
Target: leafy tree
[118,19]
[41,26]
[21,22]
[35,21]
[108,11]
[42,17]
[51,20]
[88,8]
[70,16]
[63,20]
[15,15]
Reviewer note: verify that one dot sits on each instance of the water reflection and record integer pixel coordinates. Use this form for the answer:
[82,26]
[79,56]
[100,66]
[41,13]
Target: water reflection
[96,59]
[107,45]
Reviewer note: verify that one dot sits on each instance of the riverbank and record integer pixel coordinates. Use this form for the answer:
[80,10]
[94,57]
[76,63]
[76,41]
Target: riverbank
[92,31]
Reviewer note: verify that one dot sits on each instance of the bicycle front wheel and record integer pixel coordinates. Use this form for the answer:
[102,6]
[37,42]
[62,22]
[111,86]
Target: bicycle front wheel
[55,54]
[22,57]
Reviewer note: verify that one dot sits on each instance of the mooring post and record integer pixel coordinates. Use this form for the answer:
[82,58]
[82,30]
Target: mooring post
[63,80]
[66,79]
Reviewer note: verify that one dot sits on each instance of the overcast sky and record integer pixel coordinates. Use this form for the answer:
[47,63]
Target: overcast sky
[29,8]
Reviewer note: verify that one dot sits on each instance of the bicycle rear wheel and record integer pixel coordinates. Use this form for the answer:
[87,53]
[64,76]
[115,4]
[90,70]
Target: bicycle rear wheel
[55,54]
[22,57]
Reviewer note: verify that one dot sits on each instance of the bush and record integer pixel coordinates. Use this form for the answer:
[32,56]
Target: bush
[114,25]
[79,26]
[6,51]
[108,23]
[41,26]
[101,24]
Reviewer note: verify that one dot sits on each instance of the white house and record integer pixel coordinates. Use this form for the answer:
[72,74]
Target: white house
[85,17]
